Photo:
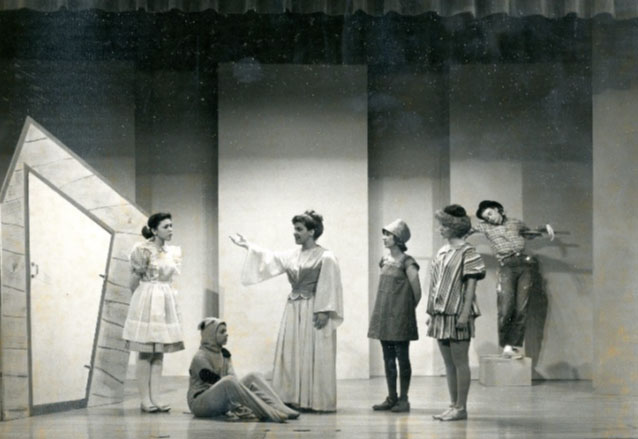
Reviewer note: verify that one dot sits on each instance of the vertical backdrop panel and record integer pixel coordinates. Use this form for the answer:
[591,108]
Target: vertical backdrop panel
[292,138]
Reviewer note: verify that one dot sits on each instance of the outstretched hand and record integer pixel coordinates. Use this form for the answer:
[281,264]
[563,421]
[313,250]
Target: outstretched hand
[239,240]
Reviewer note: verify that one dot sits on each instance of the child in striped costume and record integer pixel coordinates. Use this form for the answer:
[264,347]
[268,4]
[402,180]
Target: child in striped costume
[452,305]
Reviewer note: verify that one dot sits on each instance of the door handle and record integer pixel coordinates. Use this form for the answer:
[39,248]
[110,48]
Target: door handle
[34,267]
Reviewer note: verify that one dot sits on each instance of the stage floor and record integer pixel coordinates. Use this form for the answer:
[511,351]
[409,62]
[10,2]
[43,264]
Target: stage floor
[556,409]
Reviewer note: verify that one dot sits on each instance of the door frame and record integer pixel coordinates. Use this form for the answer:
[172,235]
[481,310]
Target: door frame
[73,404]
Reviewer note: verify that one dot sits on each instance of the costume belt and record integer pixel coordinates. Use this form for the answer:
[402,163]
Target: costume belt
[517,255]
[299,294]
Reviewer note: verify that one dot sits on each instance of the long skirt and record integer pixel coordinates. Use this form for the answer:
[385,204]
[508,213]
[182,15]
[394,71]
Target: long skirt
[305,370]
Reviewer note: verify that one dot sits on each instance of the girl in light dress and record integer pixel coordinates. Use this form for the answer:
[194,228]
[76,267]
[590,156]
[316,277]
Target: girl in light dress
[153,324]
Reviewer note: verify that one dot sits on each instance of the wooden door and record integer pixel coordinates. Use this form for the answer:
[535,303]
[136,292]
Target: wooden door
[68,252]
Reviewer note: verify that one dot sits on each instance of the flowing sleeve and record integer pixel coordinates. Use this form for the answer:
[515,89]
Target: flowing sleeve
[261,264]
[139,259]
[473,265]
[329,294]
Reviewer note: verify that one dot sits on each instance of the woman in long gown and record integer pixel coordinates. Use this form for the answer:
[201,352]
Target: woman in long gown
[304,371]
[153,324]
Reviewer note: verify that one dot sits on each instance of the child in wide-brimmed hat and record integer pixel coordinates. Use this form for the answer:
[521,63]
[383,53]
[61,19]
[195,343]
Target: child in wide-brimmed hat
[393,320]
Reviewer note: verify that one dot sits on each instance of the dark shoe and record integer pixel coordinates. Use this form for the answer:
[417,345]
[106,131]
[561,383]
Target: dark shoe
[385,405]
[401,406]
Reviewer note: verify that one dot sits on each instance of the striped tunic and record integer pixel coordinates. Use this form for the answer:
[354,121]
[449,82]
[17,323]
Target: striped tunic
[449,270]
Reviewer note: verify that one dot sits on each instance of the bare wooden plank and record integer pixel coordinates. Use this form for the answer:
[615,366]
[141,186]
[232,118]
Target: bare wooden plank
[13,238]
[43,151]
[114,312]
[14,332]
[113,362]
[91,192]
[16,395]
[15,362]
[109,373]
[15,190]
[110,334]
[106,386]
[124,243]
[121,217]
[34,133]
[14,413]
[117,293]
[119,272]
[13,212]
[63,172]
[96,399]
[111,339]
[13,270]
[14,303]
[19,167]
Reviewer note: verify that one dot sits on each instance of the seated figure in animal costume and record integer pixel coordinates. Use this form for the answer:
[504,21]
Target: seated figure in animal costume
[214,389]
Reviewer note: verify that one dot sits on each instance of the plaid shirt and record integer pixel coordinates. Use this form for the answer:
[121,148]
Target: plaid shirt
[506,238]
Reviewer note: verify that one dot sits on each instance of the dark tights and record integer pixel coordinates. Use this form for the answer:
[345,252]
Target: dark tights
[393,351]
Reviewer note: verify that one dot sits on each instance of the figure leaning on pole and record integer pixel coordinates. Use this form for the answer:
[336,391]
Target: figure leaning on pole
[517,271]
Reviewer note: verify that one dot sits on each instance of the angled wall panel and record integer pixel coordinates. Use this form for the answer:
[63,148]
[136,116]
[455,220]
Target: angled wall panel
[39,153]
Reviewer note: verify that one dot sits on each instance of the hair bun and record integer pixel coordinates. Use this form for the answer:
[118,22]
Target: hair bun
[146,232]
[455,210]
[314,215]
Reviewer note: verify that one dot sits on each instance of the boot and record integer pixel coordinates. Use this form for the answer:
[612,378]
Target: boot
[389,402]
[401,406]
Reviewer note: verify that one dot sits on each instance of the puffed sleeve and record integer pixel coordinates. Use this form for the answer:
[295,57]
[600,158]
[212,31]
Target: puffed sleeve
[473,265]
[410,261]
[262,264]
[176,254]
[329,294]
[139,259]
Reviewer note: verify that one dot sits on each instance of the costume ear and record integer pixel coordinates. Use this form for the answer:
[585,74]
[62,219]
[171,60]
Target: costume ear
[225,353]
[201,325]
